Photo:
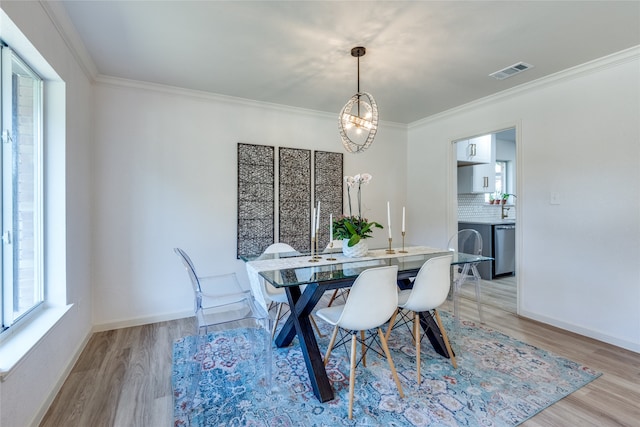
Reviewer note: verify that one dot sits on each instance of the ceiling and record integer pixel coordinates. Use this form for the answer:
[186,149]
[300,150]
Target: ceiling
[423,57]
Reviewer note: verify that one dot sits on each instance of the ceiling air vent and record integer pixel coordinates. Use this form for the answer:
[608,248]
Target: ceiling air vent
[512,70]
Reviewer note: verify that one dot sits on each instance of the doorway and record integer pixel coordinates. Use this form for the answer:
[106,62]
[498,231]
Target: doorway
[485,177]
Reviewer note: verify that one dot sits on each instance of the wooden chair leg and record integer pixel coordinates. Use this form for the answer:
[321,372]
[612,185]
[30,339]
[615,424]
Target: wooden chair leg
[416,334]
[364,349]
[413,331]
[352,373]
[331,343]
[385,347]
[275,324]
[392,322]
[333,297]
[446,339]
[315,326]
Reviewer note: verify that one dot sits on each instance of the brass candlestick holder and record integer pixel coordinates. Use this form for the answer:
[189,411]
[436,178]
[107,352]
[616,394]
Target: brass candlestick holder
[313,256]
[317,256]
[403,251]
[331,258]
[390,251]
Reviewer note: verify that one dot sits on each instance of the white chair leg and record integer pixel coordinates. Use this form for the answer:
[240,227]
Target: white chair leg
[352,373]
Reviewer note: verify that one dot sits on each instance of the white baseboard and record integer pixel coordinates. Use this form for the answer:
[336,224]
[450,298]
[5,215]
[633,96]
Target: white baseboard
[39,415]
[628,345]
[139,321]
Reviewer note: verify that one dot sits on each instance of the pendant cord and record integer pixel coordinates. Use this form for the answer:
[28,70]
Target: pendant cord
[358,86]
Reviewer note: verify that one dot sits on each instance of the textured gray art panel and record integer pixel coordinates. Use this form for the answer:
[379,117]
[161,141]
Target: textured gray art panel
[256,196]
[295,198]
[328,190]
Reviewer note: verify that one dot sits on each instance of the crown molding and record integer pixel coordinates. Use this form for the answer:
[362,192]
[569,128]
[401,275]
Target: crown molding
[215,97]
[63,25]
[609,61]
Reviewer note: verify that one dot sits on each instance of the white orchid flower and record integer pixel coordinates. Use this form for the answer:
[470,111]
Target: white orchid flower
[356,179]
[365,178]
[350,180]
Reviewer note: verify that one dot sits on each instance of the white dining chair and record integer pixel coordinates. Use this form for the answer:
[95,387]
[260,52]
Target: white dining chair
[370,304]
[430,289]
[278,296]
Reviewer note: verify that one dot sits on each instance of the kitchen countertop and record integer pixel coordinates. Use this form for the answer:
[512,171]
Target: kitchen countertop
[489,221]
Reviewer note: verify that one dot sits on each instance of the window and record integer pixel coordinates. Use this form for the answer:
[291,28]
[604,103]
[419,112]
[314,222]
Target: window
[501,181]
[21,184]
[501,177]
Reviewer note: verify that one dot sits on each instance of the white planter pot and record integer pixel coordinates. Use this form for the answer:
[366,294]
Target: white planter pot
[356,251]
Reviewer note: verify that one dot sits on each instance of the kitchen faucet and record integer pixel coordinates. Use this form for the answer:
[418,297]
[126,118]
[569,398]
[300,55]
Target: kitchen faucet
[504,212]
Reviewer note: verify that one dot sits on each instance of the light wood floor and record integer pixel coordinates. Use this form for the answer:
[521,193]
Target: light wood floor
[123,376]
[500,293]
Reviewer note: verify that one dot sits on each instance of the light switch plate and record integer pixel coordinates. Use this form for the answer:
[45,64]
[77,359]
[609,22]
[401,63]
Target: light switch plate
[554,199]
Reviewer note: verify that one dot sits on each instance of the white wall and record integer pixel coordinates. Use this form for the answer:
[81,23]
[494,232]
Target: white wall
[578,135]
[166,176]
[29,388]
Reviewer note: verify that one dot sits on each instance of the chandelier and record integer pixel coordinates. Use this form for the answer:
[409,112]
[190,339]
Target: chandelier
[358,120]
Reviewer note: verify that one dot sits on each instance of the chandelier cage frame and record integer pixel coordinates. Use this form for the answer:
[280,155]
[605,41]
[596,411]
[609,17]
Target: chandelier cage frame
[352,126]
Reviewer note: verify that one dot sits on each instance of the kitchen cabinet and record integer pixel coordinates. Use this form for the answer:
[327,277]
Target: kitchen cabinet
[477,174]
[476,150]
[477,179]
[498,242]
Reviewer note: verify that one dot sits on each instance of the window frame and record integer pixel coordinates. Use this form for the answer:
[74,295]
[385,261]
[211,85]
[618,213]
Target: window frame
[11,210]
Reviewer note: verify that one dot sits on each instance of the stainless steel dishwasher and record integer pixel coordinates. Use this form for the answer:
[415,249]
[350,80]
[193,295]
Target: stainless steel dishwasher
[504,241]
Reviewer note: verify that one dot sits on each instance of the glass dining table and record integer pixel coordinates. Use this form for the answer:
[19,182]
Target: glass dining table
[334,271]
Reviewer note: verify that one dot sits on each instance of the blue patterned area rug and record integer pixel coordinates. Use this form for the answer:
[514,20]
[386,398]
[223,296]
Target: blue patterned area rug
[500,381]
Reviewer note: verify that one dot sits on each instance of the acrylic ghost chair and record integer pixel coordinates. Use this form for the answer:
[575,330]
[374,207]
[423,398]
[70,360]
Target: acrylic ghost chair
[430,289]
[278,296]
[470,242]
[220,304]
[370,304]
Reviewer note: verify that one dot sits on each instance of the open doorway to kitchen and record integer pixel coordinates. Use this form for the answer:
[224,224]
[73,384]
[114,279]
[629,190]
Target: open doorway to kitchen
[485,177]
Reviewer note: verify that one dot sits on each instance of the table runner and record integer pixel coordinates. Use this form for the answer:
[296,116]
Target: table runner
[306,268]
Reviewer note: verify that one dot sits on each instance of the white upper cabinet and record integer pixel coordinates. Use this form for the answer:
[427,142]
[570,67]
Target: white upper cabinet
[476,165]
[476,150]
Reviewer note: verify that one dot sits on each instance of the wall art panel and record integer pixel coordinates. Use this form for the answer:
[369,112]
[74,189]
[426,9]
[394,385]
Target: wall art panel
[295,198]
[256,196]
[328,190]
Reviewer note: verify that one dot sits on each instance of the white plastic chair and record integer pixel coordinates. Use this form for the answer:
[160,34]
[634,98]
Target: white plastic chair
[371,302]
[430,289]
[466,241]
[278,296]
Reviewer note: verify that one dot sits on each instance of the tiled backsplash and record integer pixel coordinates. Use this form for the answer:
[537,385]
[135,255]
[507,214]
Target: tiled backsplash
[473,207]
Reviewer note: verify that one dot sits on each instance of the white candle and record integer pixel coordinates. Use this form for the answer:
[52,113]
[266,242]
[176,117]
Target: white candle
[313,223]
[389,218]
[318,217]
[331,227]
[403,219]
